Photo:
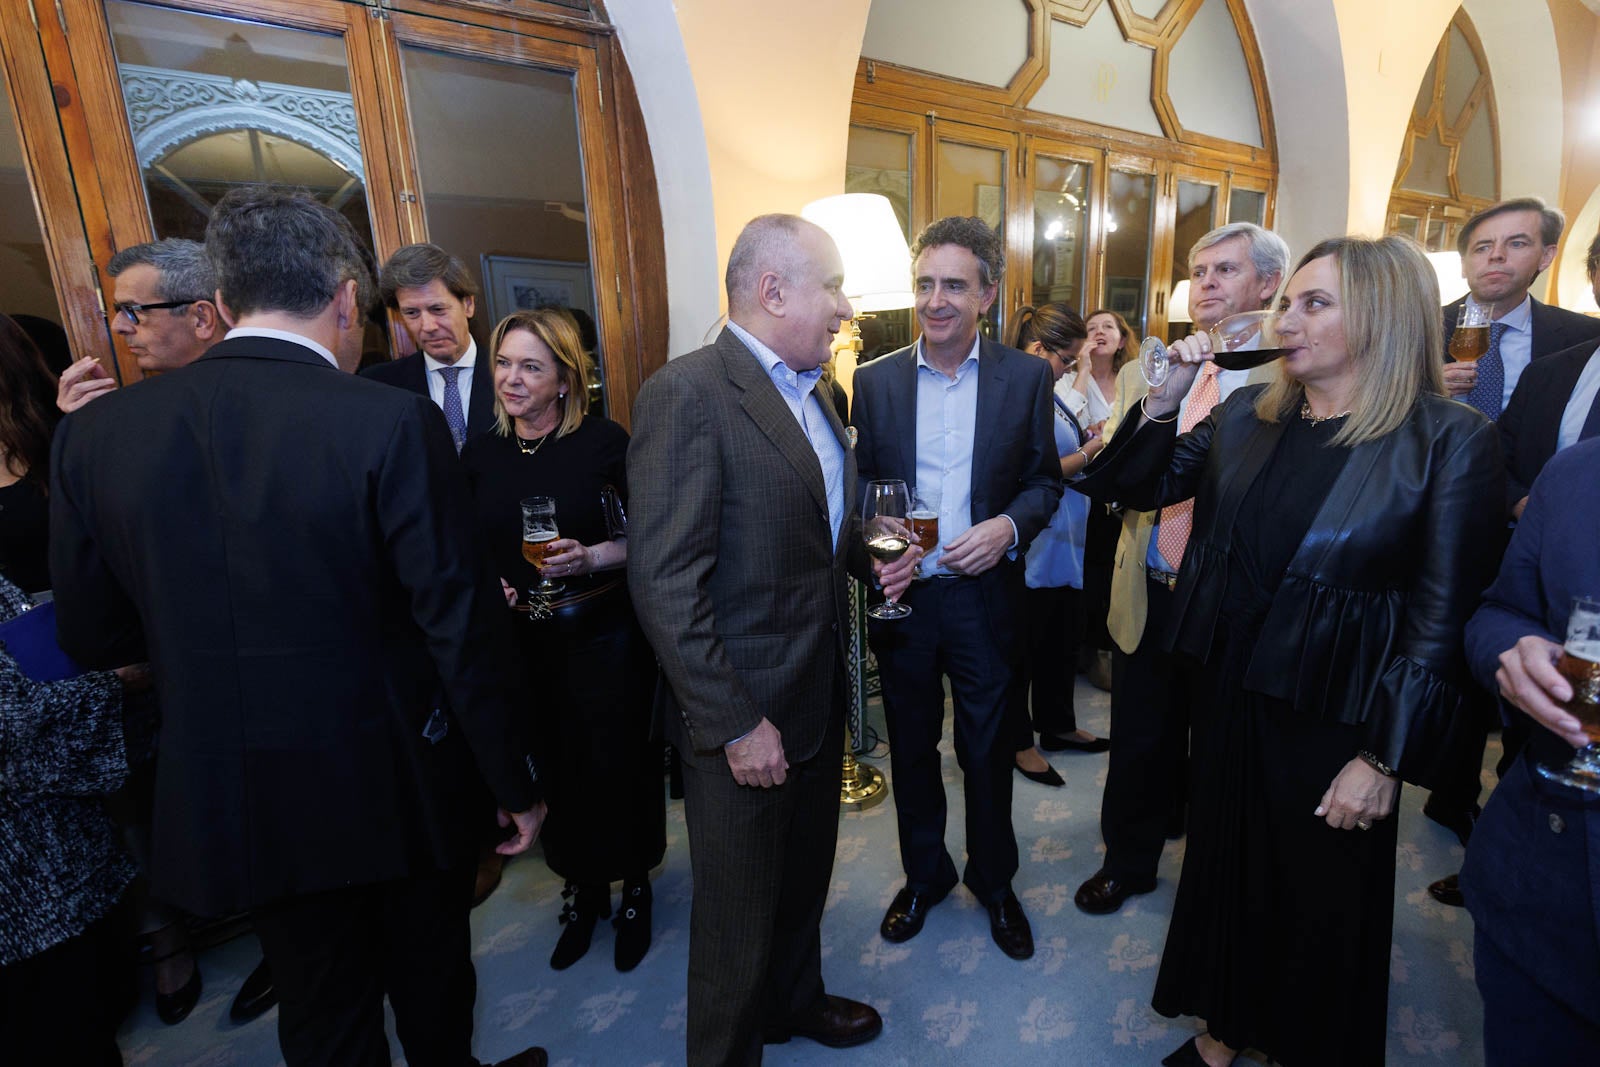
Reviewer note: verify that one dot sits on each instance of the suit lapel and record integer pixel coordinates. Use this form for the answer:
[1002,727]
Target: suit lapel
[771,414]
[992,377]
[903,412]
[1242,473]
[480,413]
[417,374]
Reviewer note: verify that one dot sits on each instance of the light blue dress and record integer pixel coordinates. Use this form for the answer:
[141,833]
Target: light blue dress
[1056,556]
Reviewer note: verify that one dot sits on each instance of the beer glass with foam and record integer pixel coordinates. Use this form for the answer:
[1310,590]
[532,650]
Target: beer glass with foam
[539,532]
[1580,666]
[1470,340]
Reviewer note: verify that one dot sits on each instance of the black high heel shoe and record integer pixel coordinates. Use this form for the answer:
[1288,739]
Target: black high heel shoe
[1048,776]
[632,924]
[174,1007]
[584,906]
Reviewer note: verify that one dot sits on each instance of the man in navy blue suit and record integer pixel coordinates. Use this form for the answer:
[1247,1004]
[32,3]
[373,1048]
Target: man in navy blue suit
[1530,878]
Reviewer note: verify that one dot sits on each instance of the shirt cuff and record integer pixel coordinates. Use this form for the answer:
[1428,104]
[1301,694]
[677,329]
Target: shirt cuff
[1011,550]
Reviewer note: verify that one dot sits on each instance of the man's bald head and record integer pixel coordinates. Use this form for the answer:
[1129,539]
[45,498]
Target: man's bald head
[767,244]
[786,288]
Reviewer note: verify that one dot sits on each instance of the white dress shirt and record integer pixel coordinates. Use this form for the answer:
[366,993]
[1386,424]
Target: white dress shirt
[463,381]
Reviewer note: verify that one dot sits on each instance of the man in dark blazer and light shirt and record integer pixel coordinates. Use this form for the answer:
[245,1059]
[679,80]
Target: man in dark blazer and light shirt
[291,546]
[741,519]
[435,297]
[967,422]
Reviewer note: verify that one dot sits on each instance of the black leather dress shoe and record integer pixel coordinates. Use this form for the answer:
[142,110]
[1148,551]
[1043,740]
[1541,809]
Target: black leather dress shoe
[1448,891]
[1458,821]
[172,1008]
[256,996]
[1052,743]
[906,913]
[836,1022]
[1009,927]
[1103,894]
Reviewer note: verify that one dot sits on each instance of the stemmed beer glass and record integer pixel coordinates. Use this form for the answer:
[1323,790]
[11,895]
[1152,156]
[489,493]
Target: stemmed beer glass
[539,531]
[1580,666]
[886,528]
[1469,342]
[1227,340]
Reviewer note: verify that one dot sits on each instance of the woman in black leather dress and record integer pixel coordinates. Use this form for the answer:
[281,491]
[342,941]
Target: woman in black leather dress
[1345,521]
[587,666]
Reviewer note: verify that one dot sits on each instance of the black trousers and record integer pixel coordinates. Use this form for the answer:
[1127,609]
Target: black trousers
[64,1005]
[948,634]
[1147,775]
[335,955]
[1049,668]
[761,860]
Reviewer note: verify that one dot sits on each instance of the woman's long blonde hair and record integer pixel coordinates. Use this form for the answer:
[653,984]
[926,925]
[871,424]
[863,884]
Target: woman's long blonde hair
[1393,333]
[559,332]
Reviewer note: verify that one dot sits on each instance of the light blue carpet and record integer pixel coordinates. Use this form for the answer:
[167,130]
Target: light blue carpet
[947,997]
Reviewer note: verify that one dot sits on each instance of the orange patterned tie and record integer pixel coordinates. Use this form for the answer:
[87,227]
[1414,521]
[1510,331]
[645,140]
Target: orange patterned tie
[1178,519]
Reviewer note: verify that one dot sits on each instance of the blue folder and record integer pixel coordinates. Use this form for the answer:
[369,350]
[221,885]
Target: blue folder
[30,639]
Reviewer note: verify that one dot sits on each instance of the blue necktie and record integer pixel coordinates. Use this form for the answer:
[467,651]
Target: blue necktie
[1591,425]
[1489,393]
[453,416]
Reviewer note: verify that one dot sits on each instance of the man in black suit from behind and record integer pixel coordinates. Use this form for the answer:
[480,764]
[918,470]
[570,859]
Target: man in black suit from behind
[290,546]
[435,297]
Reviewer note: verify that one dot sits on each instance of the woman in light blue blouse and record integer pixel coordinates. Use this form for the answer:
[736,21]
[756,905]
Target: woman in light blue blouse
[1054,568]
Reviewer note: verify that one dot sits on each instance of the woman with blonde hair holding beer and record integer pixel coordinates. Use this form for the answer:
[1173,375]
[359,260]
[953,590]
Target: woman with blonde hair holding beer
[588,669]
[1345,520]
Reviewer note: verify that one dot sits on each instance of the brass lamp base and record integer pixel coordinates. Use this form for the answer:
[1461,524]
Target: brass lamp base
[860,784]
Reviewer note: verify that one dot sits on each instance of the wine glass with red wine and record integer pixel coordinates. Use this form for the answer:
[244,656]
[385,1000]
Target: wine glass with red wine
[1231,346]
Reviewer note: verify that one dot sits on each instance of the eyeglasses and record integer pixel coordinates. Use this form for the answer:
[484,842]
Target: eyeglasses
[133,310]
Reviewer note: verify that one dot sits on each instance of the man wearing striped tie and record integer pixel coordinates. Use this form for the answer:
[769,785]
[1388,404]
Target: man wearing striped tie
[435,296]
[1234,268]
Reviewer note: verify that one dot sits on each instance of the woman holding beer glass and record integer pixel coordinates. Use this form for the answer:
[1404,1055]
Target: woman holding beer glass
[1054,567]
[588,668]
[1345,520]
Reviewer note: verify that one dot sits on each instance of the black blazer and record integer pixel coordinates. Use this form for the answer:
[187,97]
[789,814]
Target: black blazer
[1366,625]
[410,372]
[1530,422]
[1554,329]
[1015,469]
[292,545]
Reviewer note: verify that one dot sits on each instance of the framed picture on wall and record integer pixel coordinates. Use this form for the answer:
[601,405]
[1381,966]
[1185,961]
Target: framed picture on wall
[514,283]
[1125,296]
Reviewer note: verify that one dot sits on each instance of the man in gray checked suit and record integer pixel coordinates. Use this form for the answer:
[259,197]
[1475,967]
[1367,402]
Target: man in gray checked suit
[741,515]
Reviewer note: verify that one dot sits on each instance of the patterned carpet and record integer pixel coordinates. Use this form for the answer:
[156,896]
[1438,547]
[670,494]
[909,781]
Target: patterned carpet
[947,997]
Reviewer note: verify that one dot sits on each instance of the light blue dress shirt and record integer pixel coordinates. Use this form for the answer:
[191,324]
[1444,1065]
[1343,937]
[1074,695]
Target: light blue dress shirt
[799,392]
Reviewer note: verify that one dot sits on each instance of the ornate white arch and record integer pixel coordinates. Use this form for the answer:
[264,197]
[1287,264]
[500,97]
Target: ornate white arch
[168,109]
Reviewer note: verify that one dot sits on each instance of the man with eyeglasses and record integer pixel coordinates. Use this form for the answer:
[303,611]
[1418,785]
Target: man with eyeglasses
[163,309]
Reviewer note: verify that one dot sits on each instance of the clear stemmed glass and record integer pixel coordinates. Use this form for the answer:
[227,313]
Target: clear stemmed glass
[1580,666]
[538,532]
[1228,339]
[885,526]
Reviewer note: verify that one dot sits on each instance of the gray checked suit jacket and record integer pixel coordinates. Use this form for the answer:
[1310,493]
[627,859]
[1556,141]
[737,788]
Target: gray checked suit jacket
[734,572]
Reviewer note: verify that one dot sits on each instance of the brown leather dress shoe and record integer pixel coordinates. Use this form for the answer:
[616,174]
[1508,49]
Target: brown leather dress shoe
[1103,894]
[1448,891]
[836,1022]
[906,913]
[528,1057]
[1009,927]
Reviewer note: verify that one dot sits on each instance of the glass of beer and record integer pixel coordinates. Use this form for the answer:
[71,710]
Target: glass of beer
[924,521]
[886,528]
[1580,666]
[539,532]
[1471,337]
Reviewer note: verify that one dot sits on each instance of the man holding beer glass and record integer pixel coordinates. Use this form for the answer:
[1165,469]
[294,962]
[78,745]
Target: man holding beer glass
[1529,879]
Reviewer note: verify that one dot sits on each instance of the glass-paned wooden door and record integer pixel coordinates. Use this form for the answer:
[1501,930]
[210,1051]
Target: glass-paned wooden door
[972,175]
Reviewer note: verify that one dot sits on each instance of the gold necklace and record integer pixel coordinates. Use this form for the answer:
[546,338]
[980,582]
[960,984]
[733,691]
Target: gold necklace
[523,445]
[1317,420]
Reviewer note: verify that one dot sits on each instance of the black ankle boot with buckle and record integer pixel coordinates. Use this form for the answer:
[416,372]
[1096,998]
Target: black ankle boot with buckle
[633,923]
[584,904]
